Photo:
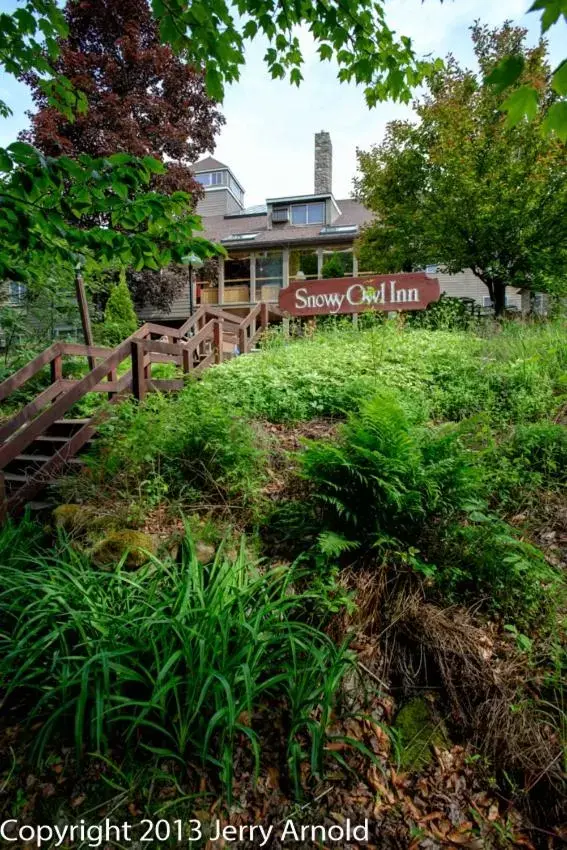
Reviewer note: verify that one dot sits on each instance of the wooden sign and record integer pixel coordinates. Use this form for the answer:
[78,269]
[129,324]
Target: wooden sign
[411,291]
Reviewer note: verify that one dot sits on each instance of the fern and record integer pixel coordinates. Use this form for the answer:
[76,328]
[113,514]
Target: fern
[384,479]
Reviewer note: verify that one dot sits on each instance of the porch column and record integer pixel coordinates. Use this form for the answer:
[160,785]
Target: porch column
[252,298]
[221,281]
[319,262]
[285,267]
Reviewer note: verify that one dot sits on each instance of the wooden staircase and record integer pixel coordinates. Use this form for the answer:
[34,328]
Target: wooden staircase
[40,441]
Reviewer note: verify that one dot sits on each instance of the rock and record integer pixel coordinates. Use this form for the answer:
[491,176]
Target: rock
[82,520]
[135,545]
[419,731]
[205,552]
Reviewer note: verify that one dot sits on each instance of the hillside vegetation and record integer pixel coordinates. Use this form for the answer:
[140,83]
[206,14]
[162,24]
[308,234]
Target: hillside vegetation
[328,577]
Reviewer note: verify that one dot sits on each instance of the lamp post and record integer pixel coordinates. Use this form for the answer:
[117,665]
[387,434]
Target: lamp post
[194,262]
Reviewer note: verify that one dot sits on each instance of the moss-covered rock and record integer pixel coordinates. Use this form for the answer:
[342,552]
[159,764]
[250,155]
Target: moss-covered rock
[134,546]
[82,520]
[418,730]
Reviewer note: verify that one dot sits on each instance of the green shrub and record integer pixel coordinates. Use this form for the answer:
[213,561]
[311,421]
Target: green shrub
[120,320]
[383,479]
[196,446]
[486,558]
[541,448]
[179,658]
[334,266]
[446,314]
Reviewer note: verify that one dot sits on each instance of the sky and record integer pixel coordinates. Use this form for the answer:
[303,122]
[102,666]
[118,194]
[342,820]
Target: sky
[268,138]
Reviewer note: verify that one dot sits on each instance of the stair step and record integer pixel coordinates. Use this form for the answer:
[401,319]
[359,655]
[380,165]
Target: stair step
[42,458]
[71,421]
[15,478]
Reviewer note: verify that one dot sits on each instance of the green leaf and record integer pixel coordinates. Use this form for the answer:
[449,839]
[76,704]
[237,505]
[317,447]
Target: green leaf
[506,72]
[559,79]
[119,158]
[521,104]
[556,120]
[213,82]
[5,160]
[552,10]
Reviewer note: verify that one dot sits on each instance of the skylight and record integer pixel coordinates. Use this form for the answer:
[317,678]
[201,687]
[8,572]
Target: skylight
[239,237]
[340,228]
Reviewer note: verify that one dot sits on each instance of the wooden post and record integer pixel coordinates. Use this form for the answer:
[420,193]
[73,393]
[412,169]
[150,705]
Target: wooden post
[218,340]
[242,341]
[84,313]
[56,369]
[264,315]
[112,376]
[186,360]
[138,370]
[3,500]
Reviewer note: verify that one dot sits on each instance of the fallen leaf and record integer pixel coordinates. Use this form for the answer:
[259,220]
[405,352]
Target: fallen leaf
[78,801]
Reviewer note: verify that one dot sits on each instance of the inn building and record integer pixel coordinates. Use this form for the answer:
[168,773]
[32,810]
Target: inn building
[267,245]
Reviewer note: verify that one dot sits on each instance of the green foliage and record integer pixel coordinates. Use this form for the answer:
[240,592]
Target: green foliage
[120,320]
[179,659]
[194,443]
[541,448]
[487,558]
[446,314]
[334,266]
[383,480]
[530,458]
[509,179]
[52,205]
[509,69]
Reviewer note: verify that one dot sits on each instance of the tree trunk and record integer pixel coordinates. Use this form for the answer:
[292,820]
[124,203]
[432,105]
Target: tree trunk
[499,297]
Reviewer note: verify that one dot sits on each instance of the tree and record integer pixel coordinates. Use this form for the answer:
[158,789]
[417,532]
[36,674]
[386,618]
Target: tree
[334,266]
[141,98]
[120,320]
[462,188]
[35,226]
[525,100]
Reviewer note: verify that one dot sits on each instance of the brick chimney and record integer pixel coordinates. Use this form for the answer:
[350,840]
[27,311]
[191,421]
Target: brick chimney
[323,163]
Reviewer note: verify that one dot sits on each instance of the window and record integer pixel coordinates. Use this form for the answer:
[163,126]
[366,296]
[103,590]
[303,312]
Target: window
[303,260]
[239,237]
[269,268]
[211,178]
[340,228]
[308,213]
[342,255]
[233,185]
[17,292]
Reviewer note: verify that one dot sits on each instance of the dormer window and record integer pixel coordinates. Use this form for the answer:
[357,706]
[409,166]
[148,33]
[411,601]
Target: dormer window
[212,178]
[308,213]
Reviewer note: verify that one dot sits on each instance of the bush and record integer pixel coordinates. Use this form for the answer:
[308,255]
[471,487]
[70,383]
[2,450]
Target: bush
[384,480]
[540,448]
[334,266]
[120,320]
[179,658]
[446,314]
[194,444]
[486,558]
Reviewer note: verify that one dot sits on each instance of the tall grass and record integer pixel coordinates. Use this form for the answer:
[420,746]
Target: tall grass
[177,658]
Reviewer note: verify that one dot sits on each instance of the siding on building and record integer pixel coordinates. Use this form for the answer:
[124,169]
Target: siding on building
[218,201]
[467,285]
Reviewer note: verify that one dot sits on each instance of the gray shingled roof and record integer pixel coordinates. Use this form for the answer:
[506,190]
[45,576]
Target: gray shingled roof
[208,164]
[218,227]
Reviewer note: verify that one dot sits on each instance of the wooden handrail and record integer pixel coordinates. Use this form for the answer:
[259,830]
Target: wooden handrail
[253,314]
[87,350]
[34,429]
[28,371]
